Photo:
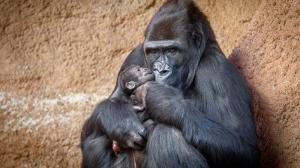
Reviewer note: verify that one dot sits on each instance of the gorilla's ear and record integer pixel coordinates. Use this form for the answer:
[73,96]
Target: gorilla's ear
[198,39]
[130,85]
[198,43]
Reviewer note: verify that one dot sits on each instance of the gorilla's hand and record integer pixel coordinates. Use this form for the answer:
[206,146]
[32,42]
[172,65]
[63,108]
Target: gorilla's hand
[121,124]
[163,103]
[129,133]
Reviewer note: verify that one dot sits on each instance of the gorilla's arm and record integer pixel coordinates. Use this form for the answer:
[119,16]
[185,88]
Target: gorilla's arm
[95,145]
[216,119]
[113,118]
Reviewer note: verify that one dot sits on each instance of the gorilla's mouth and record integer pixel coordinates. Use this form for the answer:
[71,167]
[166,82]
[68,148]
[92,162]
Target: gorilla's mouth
[148,73]
[162,76]
[149,76]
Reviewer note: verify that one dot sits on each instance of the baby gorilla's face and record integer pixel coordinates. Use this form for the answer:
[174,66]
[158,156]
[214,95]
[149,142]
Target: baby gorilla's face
[142,74]
[136,76]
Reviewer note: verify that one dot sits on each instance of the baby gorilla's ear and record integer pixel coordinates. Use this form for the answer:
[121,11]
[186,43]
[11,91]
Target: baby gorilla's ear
[130,85]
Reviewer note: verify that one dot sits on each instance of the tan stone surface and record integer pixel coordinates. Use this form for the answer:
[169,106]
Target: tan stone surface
[269,56]
[59,57]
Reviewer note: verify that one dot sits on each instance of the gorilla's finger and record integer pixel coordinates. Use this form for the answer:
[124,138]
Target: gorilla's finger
[143,133]
[138,108]
[138,139]
[129,143]
[143,116]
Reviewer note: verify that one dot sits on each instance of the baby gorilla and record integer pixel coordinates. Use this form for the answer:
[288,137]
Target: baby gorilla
[133,77]
[130,79]
[135,81]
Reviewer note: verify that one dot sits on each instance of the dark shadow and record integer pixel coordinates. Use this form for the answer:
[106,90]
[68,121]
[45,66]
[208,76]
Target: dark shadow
[261,112]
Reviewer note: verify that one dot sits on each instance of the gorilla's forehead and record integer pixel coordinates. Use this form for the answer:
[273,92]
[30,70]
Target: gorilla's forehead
[163,44]
[168,26]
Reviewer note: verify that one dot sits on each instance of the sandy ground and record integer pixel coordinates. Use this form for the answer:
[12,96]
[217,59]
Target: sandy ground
[59,58]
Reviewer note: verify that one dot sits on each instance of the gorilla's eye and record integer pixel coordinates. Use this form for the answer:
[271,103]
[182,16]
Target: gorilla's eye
[172,51]
[151,51]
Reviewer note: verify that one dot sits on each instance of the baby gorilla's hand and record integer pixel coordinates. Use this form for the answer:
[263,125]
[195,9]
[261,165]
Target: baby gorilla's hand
[138,97]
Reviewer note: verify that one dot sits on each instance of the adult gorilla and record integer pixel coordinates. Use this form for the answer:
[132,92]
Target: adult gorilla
[199,100]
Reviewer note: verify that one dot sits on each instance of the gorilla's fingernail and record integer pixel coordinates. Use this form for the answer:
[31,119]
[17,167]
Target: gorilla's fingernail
[143,133]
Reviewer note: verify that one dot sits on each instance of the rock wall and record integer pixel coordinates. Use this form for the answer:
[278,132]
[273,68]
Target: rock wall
[58,58]
[269,57]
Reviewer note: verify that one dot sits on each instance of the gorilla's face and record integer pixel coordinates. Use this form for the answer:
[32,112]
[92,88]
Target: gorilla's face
[167,60]
[173,46]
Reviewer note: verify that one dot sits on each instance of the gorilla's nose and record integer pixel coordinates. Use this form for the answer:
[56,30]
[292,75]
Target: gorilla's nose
[161,68]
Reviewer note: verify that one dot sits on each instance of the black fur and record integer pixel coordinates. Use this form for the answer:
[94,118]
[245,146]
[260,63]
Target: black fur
[202,108]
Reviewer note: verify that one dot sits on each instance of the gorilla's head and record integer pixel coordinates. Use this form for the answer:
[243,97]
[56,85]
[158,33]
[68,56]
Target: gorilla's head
[174,43]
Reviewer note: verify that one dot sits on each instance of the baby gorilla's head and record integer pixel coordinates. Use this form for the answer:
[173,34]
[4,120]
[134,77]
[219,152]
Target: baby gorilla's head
[133,77]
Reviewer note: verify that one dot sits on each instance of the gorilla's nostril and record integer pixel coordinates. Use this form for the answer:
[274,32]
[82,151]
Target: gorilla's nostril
[164,71]
[158,66]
